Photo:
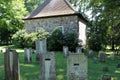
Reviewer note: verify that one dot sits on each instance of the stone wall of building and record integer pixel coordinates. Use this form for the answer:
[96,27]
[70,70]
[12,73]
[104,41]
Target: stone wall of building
[69,24]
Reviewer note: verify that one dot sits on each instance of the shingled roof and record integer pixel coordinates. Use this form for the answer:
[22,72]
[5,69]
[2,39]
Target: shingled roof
[52,8]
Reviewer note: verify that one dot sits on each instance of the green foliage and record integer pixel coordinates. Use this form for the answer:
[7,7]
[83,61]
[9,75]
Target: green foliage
[55,40]
[41,34]
[11,19]
[106,26]
[94,42]
[18,38]
[23,39]
[70,40]
[32,4]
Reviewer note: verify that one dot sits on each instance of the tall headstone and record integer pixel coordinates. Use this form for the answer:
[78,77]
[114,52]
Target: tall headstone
[11,65]
[41,48]
[77,67]
[78,50]
[65,51]
[28,55]
[48,66]
[102,56]
[90,53]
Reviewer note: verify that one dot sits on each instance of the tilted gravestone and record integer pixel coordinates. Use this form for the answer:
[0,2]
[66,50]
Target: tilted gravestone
[102,56]
[77,67]
[28,55]
[65,51]
[48,66]
[11,65]
[78,50]
[41,48]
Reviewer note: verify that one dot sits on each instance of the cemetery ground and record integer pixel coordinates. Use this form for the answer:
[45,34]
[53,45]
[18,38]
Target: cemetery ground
[31,71]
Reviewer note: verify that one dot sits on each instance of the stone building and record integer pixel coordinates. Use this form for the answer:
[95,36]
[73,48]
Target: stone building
[57,13]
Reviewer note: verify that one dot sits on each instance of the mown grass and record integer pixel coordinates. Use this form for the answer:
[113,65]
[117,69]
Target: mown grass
[32,71]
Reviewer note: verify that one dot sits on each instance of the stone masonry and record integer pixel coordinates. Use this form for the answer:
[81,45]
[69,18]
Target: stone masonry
[70,24]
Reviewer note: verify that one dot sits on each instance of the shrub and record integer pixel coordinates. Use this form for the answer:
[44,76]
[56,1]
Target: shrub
[70,40]
[94,42]
[18,38]
[55,40]
[22,39]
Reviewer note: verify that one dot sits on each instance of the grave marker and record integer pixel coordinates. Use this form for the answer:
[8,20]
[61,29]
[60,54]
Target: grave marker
[48,66]
[11,65]
[78,50]
[41,48]
[102,56]
[65,51]
[77,67]
[28,55]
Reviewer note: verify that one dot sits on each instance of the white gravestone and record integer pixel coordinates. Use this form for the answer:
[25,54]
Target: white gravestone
[47,69]
[65,51]
[78,50]
[11,60]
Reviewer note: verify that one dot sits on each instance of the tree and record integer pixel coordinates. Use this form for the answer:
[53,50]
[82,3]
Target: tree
[105,18]
[11,19]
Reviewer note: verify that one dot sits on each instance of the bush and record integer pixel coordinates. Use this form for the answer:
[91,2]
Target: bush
[18,38]
[22,39]
[55,40]
[70,40]
[94,42]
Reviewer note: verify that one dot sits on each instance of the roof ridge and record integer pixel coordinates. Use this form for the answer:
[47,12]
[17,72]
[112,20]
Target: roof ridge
[70,5]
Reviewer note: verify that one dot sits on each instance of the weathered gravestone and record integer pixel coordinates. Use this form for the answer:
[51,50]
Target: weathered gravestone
[90,53]
[65,51]
[41,48]
[78,50]
[28,55]
[11,65]
[102,56]
[48,66]
[77,68]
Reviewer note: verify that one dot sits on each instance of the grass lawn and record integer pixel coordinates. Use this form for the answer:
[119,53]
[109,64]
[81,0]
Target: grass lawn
[31,71]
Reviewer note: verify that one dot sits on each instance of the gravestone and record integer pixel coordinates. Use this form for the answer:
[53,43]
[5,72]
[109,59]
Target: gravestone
[48,66]
[11,65]
[118,65]
[90,53]
[28,55]
[78,50]
[95,59]
[112,56]
[65,51]
[77,68]
[41,48]
[102,56]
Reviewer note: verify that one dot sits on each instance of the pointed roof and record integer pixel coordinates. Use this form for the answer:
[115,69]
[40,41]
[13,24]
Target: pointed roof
[51,8]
